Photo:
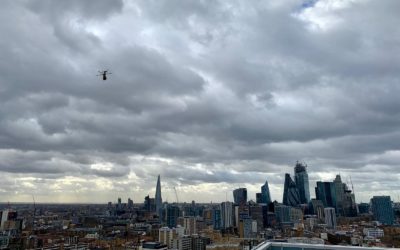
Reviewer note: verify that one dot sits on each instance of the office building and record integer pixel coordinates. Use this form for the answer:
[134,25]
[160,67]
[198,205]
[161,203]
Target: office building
[245,227]
[317,208]
[349,205]
[291,196]
[216,218]
[301,180]
[182,243]
[199,243]
[382,209]
[363,208]
[226,214]
[189,224]
[172,215]
[240,196]
[282,213]
[265,194]
[259,198]
[326,192]
[149,204]
[130,203]
[340,188]
[330,217]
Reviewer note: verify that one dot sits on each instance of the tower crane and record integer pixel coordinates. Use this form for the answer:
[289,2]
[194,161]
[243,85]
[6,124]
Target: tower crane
[176,195]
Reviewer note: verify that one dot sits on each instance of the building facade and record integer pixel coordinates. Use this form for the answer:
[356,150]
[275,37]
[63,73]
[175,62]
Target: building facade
[265,194]
[291,196]
[382,209]
[302,183]
[240,196]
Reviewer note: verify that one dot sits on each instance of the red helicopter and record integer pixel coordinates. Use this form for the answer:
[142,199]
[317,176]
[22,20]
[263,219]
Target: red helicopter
[104,73]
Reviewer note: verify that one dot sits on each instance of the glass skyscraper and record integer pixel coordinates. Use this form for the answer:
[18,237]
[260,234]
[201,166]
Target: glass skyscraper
[382,209]
[326,192]
[291,196]
[301,180]
[226,214]
[240,196]
[265,195]
[158,199]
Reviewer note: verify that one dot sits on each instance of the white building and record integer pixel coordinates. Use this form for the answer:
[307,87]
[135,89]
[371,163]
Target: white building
[330,217]
[373,232]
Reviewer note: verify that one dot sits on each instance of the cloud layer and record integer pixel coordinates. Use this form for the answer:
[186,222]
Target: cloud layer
[212,95]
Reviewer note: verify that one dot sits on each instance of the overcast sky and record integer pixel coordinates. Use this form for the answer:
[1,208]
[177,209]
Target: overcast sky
[210,94]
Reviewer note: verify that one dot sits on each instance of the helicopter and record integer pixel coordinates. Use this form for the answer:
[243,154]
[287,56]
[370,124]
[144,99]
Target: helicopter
[104,73]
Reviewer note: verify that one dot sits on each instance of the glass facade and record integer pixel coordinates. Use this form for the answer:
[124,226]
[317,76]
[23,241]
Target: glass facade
[382,209]
[291,196]
[301,179]
[240,196]
[326,192]
[265,195]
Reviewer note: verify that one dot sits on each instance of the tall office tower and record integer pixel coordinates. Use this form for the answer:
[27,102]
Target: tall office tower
[291,196]
[301,179]
[172,215]
[216,217]
[265,195]
[340,188]
[282,213]
[226,214]
[149,204]
[119,205]
[350,208]
[158,199]
[259,198]
[330,217]
[130,203]
[382,209]
[240,196]
[326,192]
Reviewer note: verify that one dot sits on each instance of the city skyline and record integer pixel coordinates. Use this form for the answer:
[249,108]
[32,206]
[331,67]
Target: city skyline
[210,95]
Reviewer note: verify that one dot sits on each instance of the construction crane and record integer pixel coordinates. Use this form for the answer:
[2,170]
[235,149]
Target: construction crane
[34,213]
[176,195]
[352,187]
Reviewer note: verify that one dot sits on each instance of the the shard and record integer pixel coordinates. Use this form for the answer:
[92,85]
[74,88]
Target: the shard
[158,199]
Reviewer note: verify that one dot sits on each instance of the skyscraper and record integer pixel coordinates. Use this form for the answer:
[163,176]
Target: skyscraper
[172,215]
[240,196]
[226,214]
[382,209]
[158,199]
[340,188]
[326,192]
[291,196]
[265,195]
[350,208]
[301,179]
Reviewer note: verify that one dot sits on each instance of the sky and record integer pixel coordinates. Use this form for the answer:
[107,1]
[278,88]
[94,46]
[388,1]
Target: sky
[212,95]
